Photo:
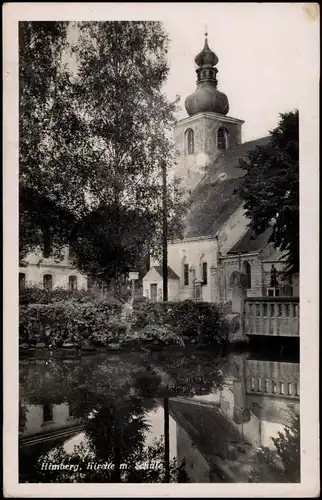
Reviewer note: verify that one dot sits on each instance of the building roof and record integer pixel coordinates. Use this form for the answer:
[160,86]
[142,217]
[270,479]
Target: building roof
[214,200]
[171,274]
[251,242]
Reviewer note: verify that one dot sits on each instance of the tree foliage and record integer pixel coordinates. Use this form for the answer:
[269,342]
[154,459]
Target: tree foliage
[270,188]
[282,464]
[92,178]
[52,137]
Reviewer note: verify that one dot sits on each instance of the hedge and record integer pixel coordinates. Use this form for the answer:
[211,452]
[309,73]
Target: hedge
[32,294]
[76,317]
[201,322]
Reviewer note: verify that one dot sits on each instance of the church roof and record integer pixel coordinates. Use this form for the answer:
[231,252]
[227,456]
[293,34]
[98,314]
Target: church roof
[211,205]
[214,200]
[251,242]
[171,274]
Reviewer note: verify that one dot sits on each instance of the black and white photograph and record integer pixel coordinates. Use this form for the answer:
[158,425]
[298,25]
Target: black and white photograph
[160,264]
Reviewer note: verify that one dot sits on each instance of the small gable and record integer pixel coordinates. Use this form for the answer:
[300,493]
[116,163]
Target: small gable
[156,274]
[152,275]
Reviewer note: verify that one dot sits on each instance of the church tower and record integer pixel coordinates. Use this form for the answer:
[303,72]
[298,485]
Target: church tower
[207,131]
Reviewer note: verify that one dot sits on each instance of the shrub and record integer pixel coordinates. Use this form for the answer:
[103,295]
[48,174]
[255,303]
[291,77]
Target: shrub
[59,316]
[193,321]
[69,321]
[153,334]
[33,294]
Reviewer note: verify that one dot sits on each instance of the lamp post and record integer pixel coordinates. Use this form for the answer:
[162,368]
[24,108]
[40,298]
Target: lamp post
[166,440]
[164,231]
[165,299]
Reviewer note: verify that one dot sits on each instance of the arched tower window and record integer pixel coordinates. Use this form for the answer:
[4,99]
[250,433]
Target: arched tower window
[190,141]
[222,138]
[247,271]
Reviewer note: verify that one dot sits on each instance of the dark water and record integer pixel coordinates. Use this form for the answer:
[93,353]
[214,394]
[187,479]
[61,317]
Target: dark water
[160,417]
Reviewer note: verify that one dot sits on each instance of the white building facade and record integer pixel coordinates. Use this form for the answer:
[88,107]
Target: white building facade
[50,274]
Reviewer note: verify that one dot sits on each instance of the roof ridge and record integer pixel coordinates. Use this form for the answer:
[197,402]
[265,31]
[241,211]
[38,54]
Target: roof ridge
[246,142]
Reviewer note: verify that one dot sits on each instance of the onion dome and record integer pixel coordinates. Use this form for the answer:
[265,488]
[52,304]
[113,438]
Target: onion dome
[206,56]
[207,98]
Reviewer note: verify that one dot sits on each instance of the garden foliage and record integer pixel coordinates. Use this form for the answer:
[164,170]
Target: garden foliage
[58,316]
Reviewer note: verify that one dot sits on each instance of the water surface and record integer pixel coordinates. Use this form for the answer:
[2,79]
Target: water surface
[159,417]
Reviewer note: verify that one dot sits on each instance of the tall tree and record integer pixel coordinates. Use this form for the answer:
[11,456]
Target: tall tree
[122,67]
[53,148]
[270,188]
[101,132]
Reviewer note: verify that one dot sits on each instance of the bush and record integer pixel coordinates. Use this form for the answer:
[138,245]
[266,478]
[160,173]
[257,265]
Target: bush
[33,294]
[60,316]
[194,321]
[70,321]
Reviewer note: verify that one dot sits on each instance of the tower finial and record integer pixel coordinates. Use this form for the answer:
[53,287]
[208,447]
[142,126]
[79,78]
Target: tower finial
[206,31]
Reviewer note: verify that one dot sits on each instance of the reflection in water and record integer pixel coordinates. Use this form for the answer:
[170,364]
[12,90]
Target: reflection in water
[159,418]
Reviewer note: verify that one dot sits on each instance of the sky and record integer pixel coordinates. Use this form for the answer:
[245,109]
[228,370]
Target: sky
[267,54]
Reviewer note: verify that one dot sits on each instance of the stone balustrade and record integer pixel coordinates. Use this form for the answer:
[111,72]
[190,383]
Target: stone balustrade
[272,316]
[273,378]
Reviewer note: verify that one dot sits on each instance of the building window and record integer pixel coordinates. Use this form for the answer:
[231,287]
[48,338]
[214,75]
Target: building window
[72,283]
[22,281]
[204,273]
[70,412]
[190,143]
[197,292]
[47,413]
[273,292]
[48,282]
[222,138]
[247,271]
[186,274]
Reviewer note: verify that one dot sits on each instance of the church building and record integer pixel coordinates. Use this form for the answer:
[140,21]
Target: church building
[217,240]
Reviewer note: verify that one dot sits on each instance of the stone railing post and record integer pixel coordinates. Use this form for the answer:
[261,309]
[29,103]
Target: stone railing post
[238,283]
